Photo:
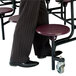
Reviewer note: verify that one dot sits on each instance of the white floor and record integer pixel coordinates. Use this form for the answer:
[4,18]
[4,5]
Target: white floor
[44,67]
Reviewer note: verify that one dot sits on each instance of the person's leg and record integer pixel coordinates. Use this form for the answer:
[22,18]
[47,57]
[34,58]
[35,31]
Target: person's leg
[24,32]
[22,5]
[41,44]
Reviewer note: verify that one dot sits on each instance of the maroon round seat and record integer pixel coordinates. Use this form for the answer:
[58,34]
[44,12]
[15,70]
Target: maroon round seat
[52,29]
[5,10]
[14,18]
[66,1]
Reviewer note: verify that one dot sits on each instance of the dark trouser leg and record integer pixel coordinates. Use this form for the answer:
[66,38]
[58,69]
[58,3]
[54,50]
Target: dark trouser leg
[24,32]
[41,43]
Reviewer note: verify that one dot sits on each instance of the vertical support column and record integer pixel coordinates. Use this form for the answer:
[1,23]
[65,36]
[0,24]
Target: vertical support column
[48,1]
[72,18]
[2,26]
[53,53]
[65,13]
[62,10]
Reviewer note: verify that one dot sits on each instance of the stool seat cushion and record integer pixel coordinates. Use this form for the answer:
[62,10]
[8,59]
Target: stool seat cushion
[14,18]
[52,29]
[66,1]
[5,10]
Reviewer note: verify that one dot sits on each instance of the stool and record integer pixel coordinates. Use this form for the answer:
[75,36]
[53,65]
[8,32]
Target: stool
[52,31]
[14,18]
[3,11]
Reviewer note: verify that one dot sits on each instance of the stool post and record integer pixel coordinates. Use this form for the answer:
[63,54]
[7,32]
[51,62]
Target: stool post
[53,53]
[61,10]
[65,14]
[72,19]
[2,25]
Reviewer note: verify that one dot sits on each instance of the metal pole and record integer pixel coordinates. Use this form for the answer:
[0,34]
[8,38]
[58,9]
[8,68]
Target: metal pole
[53,54]
[2,26]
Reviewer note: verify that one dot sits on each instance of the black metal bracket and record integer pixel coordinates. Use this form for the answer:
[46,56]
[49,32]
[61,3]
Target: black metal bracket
[59,59]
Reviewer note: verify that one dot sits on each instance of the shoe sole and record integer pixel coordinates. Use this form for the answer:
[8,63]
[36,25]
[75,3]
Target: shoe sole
[27,66]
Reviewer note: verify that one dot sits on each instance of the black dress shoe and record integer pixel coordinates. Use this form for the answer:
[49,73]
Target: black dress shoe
[27,64]
[56,54]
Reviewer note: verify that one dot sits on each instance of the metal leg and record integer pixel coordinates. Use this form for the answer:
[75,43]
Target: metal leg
[65,15]
[72,18]
[53,54]
[2,26]
[62,10]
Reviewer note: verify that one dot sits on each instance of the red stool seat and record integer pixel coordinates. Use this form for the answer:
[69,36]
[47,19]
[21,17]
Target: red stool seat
[66,1]
[52,29]
[14,18]
[5,10]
